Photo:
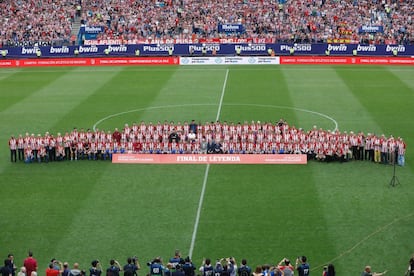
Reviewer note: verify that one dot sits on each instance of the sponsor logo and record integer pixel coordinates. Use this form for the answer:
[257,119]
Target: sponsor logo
[337,48]
[251,47]
[88,49]
[251,60]
[59,50]
[207,47]
[230,27]
[91,29]
[28,51]
[185,60]
[296,47]
[399,48]
[218,60]
[118,48]
[157,48]
[366,48]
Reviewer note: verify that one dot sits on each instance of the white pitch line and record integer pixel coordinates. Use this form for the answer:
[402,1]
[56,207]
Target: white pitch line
[203,189]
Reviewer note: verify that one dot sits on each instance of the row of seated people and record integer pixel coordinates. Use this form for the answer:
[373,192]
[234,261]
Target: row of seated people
[211,137]
[45,21]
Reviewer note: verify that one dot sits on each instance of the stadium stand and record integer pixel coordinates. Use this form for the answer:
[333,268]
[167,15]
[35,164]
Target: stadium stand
[46,22]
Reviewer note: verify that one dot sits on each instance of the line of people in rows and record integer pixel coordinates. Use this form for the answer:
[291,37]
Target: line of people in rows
[176,266]
[210,137]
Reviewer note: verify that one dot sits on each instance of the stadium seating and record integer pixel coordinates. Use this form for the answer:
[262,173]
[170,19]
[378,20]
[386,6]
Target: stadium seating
[47,22]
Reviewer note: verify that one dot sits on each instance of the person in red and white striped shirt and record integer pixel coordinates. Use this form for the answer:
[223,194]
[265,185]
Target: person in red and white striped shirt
[13,149]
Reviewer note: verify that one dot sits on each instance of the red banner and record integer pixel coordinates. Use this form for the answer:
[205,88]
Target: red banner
[39,62]
[346,60]
[209,158]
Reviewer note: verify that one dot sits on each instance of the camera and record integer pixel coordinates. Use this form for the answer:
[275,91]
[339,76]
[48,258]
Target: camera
[134,260]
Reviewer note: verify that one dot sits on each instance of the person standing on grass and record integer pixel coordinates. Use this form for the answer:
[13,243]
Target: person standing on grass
[12,266]
[13,149]
[368,272]
[75,271]
[114,268]
[95,269]
[206,268]
[410,270]
[302,266]
[188,267]
[285,266]
[244,269]
[30,263]
[52,271]
[329,270]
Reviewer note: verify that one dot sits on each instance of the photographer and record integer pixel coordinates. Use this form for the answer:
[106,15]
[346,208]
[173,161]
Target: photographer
[132,266]
[302,266]
[285,266]
[96,269]
[188,267]
[114,268]
[156,267]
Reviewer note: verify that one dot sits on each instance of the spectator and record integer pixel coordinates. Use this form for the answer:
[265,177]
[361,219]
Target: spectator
[244,269]
[410,270]
[30,263]
[95,269]
[22,271]
[114,268]
[302,266]
[368,272]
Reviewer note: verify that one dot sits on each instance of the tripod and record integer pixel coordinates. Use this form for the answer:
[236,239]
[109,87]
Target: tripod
[394,180]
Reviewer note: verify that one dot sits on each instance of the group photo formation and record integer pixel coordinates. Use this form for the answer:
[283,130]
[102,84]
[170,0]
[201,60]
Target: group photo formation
[211,138]
[259,137]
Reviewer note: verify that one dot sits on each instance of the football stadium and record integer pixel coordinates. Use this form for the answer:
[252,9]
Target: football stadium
[263,137]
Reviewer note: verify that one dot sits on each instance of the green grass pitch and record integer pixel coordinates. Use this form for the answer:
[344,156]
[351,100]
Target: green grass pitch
[346,214]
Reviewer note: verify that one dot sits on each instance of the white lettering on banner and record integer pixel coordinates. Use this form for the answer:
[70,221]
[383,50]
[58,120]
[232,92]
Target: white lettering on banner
[399,48]
[230,27]
[157,48]
[370,29]
[26,51]
[222,158]
[251,47]
[118,49]
[337,48]
[59,50]
[297,47]
[207,47]
[90,29]
[90,49]
[366,48]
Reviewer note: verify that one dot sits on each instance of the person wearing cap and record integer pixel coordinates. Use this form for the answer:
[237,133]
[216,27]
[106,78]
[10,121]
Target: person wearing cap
[368,272]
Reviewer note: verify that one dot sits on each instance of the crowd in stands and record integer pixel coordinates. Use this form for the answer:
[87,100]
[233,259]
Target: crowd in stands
[46,21]
[210,138]
[40,22]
